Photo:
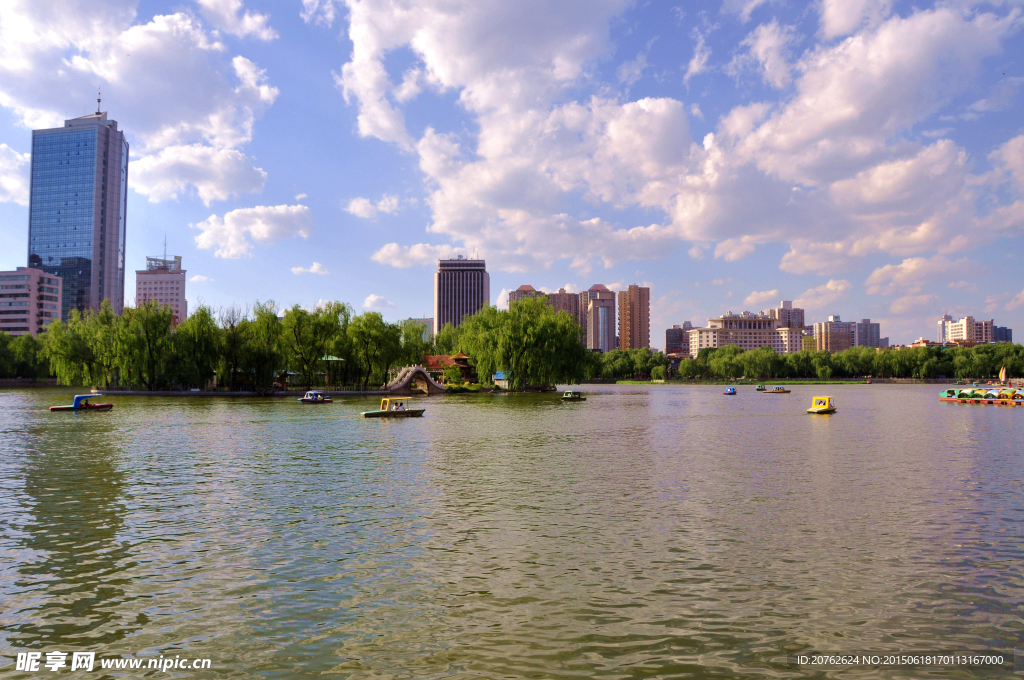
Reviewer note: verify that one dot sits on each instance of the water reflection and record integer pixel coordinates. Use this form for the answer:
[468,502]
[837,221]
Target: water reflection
[71,580]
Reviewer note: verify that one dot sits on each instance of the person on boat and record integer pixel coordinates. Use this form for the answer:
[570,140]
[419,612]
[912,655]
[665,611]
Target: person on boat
[83,404]
[401,406]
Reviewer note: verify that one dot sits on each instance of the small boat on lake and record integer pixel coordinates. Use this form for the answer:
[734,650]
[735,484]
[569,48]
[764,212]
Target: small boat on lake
[760,388]
[730,391]
[777,389]
[822,405]
[315,397]
[394,408]
[982,396]
[573,395]
[81,403]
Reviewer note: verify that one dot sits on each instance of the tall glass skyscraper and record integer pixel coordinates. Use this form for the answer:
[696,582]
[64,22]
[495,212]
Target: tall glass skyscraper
[77,211]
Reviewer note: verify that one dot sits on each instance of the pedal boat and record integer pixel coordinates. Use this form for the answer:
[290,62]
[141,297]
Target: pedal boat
[573,395]
[984,397]
[82,404]
[760,388]
[822,405]
[778,389]
[315,397]
[394,408]
[730,391]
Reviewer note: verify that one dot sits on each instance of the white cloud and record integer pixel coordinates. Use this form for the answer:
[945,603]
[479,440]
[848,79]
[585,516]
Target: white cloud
[199,278]
[699,62]
[1016,303]
[14,175]
[827,169]
[912,303]
[317,268]
[914,273]
[768,47]
[234,235]
[744,8]
[228,15]
[169,82]
[299,197]
[758,296]
[407,256]
[375,301]
[216,174]
[824,296]
[321,12]
[501,302]
[367,209]
[629,72]
[842,17]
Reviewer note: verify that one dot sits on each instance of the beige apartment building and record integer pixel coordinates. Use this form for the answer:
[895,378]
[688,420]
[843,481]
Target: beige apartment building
[523,292]
[966,329]
[635,317]
[746,331]
[786,314]
[30,299]
[163,281]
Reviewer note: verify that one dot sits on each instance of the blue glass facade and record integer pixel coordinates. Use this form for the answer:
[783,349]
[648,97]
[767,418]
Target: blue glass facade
[78,210]
[61,212]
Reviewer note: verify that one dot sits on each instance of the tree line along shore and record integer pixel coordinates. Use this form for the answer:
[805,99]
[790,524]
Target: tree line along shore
[331,346]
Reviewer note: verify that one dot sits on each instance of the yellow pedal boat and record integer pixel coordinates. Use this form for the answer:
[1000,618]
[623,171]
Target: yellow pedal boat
[822,405]
[394,408]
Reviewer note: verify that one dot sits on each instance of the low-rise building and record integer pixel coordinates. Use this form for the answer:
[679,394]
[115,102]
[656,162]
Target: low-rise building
[30,299]
[746,331]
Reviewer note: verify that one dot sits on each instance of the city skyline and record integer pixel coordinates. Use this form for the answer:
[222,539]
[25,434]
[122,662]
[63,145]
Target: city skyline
[287,155]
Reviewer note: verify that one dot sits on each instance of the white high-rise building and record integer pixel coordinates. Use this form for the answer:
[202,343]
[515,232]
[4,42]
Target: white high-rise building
[966,329]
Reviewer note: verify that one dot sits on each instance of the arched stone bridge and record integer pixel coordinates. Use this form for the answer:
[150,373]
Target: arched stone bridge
[414,380]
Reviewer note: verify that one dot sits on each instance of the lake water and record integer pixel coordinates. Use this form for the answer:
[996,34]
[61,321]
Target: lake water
[647,532]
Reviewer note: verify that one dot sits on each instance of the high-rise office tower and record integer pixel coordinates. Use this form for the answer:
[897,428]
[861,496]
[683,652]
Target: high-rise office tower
[461,287]
[77,210]
[788,315]
[635,317]
[600,318]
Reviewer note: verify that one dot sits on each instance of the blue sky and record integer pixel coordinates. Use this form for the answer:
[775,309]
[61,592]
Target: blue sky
[862,157]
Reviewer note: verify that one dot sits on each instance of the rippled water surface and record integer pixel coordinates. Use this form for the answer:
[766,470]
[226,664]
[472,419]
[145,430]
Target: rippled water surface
[647,532]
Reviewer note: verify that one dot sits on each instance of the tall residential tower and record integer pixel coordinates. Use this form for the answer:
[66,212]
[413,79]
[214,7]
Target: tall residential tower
[77,211]
[635,317]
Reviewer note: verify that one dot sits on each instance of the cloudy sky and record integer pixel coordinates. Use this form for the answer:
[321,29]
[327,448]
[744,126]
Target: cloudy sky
[861,157]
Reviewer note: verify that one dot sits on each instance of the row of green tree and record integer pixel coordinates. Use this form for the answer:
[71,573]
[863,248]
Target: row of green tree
[979,362]
[142,349]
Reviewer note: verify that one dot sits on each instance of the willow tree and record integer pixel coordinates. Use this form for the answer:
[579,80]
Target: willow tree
[306,337]
[142,341]
[530,342]
[262,345]
[84,350]
[197,345]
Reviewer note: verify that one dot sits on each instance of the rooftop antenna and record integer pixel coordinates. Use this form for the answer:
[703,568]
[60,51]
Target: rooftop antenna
[98,95]
[165,247]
